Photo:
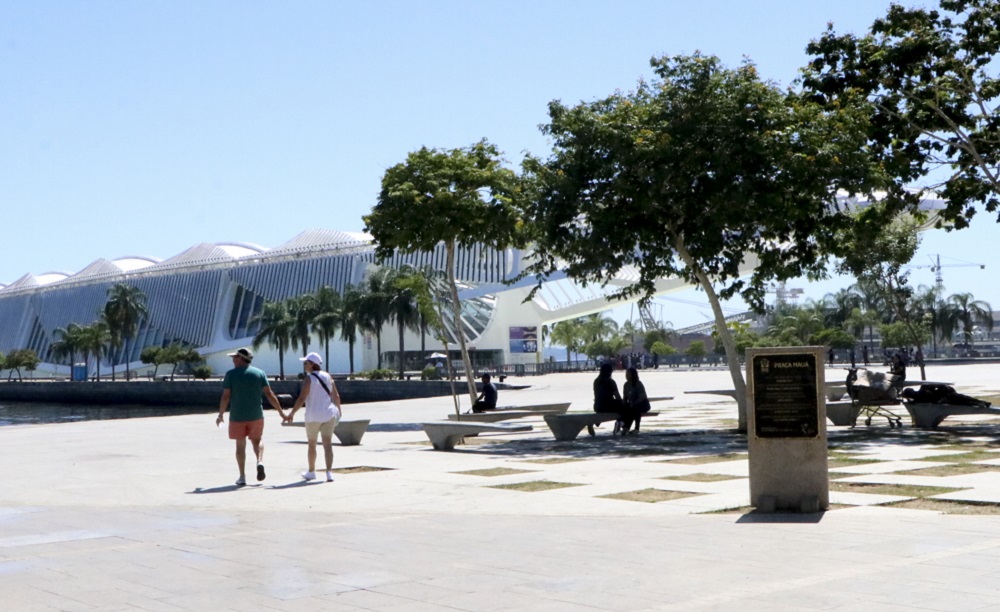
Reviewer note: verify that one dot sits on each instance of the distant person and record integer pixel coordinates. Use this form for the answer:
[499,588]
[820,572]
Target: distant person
[864,355]
[635,398]
[897,371]
[830,356]
[606,396]
[322,402]
[241,393]
[853,359]
[487,400]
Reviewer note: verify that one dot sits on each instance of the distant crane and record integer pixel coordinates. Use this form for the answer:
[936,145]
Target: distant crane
[783,294]
[936,265]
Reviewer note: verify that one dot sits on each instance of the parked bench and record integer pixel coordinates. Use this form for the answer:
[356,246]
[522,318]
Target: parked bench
[349,432]
[444,435]
[566,427]
[843,413]
[929,416]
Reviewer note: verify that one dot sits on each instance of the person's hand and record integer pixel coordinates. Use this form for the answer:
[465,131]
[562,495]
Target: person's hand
[219,420]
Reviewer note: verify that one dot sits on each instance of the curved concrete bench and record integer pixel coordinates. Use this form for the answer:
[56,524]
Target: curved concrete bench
[445,435]
[349,432]
[539,408]
[929,416]
[492,416]
[566,427]
[843,413]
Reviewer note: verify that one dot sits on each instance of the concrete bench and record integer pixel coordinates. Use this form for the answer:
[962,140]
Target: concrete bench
[566,427]
[349,432]
[929,416]
[538,408]
[492,416]
[444,435]
[843,413]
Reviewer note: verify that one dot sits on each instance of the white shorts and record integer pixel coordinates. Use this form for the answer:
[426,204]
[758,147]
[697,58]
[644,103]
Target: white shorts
[315,428]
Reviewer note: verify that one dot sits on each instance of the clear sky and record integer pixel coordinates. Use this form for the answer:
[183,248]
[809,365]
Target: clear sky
[143,128]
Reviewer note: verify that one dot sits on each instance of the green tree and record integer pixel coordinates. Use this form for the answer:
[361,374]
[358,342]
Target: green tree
[67,342]
[569,334]
[302,312]
[900,335]
[696,350]
[692,175]
[124,311]
[662,349]
[877,255]
[94,341]
[403,310]
[834,338]
[930,82]
[350,318]
[967,311]
[153,355]
[459,197]
[376,297]
[934,311]
[598,326]
[276,328]
[326,320]
[13,363]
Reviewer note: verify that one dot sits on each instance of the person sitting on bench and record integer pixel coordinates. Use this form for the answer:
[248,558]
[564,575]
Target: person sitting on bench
[635,398]
[607,398]
[487,400]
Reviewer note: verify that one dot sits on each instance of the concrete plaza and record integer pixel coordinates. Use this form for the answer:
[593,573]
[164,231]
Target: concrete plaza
[142,514]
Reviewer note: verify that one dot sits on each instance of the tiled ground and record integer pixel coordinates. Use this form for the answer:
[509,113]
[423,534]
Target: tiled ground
[142,514]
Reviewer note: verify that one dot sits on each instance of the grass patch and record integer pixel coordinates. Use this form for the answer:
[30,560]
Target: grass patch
[889,489]
[954,469]
[966,457]
[547,460]
[703,459]
[842,462]
[946,506]
[358,469]
[650,496]
[498,471]
[535,485]
[701,477]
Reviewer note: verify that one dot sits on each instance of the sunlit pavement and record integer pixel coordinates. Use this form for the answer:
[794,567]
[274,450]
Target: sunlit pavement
[143,514]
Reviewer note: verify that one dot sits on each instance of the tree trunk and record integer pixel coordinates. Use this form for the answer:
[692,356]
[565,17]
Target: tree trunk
[281,362]
[378,347]
[724,334]
[401,353]
[350,354]
[326,356]
[456,308]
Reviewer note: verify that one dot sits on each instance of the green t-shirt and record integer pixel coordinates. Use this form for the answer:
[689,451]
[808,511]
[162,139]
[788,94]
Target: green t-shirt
[246,387]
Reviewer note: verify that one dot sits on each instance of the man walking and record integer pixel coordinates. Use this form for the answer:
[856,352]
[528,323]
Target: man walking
[241,393]
[322,401]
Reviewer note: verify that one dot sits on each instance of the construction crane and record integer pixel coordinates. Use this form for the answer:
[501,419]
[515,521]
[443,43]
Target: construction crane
[936,265]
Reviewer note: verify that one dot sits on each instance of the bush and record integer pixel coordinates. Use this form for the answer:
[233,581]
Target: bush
[430,373]
[383,374]
[202,372]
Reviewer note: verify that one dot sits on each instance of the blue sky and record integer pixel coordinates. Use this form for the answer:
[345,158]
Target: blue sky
[142,128]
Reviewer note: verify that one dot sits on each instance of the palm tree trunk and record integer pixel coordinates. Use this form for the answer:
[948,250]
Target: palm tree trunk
[326,356]
[281,362]
[350,353]
[378,347]
[401,352]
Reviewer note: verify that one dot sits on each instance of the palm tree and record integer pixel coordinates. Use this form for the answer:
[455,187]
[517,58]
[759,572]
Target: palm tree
[276,330]
[402,310]
[68,342]
[968,311]
[629,330]
[302,310]
[375,305]
[124,310]
[934,312]
[568,334]
[94,341]
[349,314]
[326,320]
[840,306]
[598,326]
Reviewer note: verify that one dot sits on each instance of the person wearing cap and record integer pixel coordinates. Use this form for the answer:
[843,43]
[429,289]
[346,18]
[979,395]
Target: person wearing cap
[322,402]
[242,389]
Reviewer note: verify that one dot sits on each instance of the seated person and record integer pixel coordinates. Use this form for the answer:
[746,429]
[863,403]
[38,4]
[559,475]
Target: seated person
[487,400]
[635,398]
[897,371]
[607,398]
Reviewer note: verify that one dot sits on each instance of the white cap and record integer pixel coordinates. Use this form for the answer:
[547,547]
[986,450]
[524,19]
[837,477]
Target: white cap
[313,357]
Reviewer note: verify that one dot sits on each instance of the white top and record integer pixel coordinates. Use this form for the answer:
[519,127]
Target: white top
[319,407]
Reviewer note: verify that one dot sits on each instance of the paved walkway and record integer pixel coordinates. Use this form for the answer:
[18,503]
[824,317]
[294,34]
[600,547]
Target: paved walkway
[142,514]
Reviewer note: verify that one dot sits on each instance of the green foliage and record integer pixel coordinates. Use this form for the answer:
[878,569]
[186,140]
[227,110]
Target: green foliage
[124,310]
[378,374]
[653,336]
[899,335]
[202,372]
[696,349]
[18,359]
[929,82]
[834,338]
[662,349]
[597,348]
[569,334]
[430,373]
[276,329]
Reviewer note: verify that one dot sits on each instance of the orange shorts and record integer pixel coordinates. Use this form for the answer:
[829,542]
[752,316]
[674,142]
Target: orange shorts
[246,429]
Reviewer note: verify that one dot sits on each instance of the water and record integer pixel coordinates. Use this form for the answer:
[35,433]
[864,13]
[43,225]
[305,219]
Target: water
[25,413]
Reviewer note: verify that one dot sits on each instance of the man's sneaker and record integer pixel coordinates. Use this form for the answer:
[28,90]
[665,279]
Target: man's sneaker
[309,475]
[241,482]
[260,472]
[329,476]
